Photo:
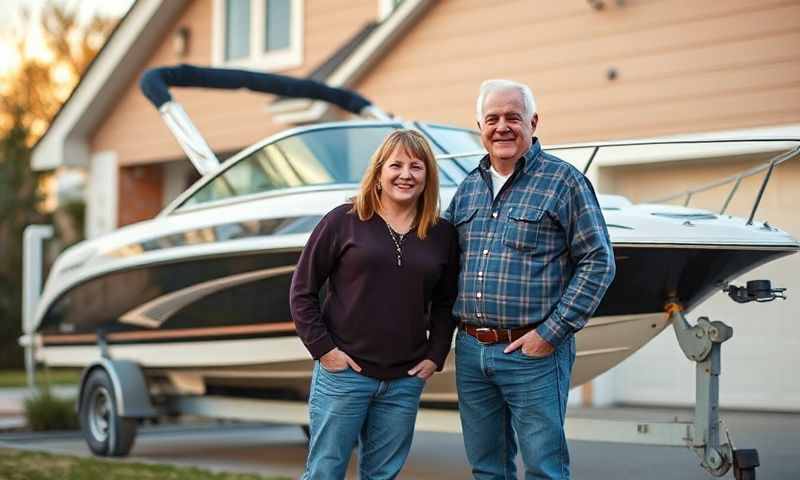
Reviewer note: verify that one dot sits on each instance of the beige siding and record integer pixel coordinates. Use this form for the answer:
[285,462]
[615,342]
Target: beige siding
[228,120]
[682,65]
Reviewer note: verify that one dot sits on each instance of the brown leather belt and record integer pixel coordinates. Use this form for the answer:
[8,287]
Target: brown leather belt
[490,336]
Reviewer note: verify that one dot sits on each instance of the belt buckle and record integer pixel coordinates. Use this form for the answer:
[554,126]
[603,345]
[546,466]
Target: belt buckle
[481,330]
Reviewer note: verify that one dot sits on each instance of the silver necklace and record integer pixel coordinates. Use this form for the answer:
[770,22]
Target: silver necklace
[397,239]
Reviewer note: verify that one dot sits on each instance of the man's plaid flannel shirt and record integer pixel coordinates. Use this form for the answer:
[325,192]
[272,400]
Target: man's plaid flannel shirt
[537,255]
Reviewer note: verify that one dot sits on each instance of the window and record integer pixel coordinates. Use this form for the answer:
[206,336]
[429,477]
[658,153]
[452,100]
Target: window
[317,157]
[259,34]
[276,25]
[237,29]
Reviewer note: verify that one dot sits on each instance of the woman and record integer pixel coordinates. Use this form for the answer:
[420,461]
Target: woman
[385,325]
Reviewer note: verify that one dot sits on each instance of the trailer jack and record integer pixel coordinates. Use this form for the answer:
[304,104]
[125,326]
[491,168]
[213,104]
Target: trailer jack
[702,343]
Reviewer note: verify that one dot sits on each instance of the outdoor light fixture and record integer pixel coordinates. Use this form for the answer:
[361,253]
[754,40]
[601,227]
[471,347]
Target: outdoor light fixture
[596,4]
[601,4]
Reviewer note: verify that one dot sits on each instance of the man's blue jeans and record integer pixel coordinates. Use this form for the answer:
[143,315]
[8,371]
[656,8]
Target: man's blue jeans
[346,409]
[500,394]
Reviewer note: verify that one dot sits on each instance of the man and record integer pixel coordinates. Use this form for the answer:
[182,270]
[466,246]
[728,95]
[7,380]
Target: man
[535,263]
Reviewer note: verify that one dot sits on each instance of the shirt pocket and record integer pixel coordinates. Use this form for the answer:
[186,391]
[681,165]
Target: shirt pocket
[522,229]
[465,217]
[463,221]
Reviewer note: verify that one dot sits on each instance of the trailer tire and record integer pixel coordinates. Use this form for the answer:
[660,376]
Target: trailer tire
[106,433]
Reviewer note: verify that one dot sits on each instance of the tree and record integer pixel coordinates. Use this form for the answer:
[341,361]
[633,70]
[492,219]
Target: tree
[30,96]
[18,201]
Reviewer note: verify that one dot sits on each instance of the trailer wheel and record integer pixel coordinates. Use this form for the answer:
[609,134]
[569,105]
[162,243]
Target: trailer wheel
[106,433]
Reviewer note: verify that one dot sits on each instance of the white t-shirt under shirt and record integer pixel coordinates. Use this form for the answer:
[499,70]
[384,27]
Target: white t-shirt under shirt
[497,180]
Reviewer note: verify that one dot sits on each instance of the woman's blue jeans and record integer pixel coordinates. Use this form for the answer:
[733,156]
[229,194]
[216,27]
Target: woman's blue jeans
[503,394]
[349,409]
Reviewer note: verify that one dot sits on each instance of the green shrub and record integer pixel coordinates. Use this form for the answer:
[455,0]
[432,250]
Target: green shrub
[47,412]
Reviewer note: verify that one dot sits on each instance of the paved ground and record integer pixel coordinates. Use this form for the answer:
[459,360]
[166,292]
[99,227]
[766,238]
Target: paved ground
[271,449]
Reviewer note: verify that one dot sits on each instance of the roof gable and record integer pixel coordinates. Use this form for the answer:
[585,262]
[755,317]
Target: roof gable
[65,141]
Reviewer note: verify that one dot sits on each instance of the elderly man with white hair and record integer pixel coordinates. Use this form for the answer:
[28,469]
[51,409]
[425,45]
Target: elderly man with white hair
[535,262]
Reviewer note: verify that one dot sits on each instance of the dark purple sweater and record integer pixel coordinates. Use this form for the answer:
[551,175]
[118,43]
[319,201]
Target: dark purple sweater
[387,318]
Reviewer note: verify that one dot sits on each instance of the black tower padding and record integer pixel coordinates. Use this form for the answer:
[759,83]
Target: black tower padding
[155,85]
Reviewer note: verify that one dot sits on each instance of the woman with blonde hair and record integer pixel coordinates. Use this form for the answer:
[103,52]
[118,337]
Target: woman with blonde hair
[385,324]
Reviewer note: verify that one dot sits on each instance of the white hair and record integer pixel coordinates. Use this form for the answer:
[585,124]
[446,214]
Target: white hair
[498,85]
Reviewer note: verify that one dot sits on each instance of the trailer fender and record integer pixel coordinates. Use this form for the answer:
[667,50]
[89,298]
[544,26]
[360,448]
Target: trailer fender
[130,388]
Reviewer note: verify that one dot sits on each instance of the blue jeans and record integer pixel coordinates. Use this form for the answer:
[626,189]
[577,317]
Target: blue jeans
[500,394]
[347,408]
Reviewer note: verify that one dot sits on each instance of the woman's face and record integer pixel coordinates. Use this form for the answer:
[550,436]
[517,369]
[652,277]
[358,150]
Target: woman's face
[402,178]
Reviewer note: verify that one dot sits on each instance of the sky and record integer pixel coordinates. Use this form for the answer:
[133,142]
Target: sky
[9,22]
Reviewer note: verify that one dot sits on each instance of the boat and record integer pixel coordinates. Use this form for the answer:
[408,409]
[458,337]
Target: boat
[197,297]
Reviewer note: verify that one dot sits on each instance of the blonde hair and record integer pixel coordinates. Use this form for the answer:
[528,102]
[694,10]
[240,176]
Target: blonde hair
[368,200]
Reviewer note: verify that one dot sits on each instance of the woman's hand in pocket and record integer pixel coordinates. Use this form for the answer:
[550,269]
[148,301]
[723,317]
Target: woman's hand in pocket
[423,369]
[336,361]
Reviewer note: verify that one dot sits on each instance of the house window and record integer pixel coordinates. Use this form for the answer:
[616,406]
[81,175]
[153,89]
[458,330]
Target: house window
[276,25]
[237,29]
[258,34]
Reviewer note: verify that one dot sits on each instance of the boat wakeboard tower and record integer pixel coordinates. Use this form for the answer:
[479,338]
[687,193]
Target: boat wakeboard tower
[155,85]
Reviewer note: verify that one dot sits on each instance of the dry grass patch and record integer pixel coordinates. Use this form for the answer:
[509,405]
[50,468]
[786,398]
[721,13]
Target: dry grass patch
[23,465]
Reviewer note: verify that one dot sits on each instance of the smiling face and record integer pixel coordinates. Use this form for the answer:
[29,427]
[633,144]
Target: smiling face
[505,133]
[402,178]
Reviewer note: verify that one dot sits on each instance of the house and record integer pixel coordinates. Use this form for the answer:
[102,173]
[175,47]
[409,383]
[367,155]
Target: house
[601,70]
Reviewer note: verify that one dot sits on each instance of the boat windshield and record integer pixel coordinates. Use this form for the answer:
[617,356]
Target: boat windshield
[317,157]
[458,150]
[329,156]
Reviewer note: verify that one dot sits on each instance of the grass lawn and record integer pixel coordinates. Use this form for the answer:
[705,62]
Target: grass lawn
[17,378]
[19,465]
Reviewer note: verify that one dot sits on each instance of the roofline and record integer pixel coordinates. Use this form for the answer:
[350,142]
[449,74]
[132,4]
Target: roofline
[66,140]
[357,64]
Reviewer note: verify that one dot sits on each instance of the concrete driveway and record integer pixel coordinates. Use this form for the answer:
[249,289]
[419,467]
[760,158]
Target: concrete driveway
[281,450]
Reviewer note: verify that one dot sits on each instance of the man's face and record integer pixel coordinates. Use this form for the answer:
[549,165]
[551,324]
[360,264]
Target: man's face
[504,132]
